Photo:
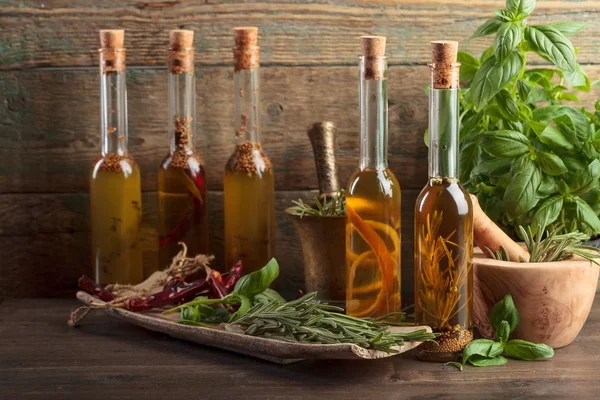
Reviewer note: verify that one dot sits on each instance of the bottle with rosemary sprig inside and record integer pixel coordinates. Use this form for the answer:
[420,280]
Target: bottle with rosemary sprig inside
[249,186]
[182,206]
[115,185]
[444,221]
[373,199]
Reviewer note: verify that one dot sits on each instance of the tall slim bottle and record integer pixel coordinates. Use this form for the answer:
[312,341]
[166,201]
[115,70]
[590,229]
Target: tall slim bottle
[115,189]
[444,221]
[182,205]
[373,199]
[249,186]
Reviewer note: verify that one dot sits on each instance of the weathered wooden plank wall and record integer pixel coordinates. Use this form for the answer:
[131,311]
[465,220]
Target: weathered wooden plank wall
[49,124]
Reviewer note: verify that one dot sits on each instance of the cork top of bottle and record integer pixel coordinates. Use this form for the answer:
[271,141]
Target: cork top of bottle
[181,39]
[444,65]
[372,46]
[245,36]
[444,51]
[112,38]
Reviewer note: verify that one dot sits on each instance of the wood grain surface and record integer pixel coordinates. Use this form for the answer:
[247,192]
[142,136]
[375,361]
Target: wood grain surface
[49,106]
[42,358]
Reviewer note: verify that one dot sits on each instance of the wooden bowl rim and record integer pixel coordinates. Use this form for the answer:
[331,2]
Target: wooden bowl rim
[575,262]
[293,213]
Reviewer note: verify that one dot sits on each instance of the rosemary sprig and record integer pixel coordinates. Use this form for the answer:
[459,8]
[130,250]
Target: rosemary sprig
[553,247]
[332,207]
[307,320]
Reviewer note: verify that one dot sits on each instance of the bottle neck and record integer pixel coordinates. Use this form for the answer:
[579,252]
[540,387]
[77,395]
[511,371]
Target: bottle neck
[113,112]
[443,133]
[373,113]
[182,110]
[246,118]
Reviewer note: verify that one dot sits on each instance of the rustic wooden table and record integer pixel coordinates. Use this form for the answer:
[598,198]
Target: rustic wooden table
[42,358]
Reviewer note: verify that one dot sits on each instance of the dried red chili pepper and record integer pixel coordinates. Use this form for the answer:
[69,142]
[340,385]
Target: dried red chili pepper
[172,296]
[217,283]
[230,278]
[88,285]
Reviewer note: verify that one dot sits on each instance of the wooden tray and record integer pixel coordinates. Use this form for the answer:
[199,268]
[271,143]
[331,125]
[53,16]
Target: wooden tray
[267,349]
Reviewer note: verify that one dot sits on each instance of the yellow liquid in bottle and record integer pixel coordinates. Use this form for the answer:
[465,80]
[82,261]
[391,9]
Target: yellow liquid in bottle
[249,219]
[443,263]
[373,243]
[116,210]
[183,211]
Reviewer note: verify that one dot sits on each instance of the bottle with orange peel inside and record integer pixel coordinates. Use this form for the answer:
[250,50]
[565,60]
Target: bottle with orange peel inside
[373,199]
[444,221]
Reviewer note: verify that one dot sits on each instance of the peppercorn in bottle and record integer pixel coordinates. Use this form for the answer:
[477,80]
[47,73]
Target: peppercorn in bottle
[373,199]
[444,221]
[249,186]
[115,188]
[183,213]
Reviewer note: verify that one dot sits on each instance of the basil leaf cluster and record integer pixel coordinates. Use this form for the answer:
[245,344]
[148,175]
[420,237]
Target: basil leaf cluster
[530,158]
[504,318]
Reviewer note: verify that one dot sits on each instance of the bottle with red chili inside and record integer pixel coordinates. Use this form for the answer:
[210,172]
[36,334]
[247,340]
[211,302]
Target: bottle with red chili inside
[249,185]
[183,215]
[373,199]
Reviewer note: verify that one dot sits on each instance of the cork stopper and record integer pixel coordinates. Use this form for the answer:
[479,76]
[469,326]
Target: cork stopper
[322,138]
[373,51]
[444,65]
[181,51]
[246,50]
[112,52]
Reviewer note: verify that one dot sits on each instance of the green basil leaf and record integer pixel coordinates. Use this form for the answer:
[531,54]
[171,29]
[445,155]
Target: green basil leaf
[508,106]
[245,305]
[504,143]
[548,186]
[586,214]
[490,26]
[573,162]
[507,39]
[521,193]
[547,212]
[506,15]
[520,6]
[551,164]
[552,45]
[269,295]
[468,66]
[480,361]
[568,97]
[469,158]
[257,281]
[563,188]
[565,115]
[555,139]
[568,28]
[578,79]
[523,350]
[189,314]
[482,347]
[487,53]
[524,89]
[503,332]
[505,310]
[586,179]
[490,78]
[493,167]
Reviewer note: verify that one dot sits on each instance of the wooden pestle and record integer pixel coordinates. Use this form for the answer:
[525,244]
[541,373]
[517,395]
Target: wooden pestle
[488,235]
[322,139]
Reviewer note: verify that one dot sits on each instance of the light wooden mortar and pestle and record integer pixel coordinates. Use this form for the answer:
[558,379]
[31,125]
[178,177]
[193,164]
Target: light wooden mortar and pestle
[323,238]
[553,299]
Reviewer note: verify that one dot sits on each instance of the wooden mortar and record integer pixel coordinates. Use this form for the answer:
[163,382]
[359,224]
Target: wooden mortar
[323,239]
[553,299]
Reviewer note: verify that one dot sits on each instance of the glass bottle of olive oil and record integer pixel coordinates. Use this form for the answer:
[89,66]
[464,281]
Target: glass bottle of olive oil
[249,186]
[115,189]
[182,206]
[373,199]
[444,221]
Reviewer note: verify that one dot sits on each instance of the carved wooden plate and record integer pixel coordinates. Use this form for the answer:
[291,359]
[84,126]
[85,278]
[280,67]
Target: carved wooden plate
[267,349]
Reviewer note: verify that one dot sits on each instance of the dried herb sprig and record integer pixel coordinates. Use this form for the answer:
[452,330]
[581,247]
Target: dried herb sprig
[553,247]
[329,207]
[307,320]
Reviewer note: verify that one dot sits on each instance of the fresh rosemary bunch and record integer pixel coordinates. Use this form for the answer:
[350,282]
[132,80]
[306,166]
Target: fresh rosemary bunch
[332,207]
[553,247]
[307,320]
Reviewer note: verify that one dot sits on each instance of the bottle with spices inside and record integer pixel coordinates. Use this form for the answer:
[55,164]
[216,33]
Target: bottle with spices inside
[444,221]
[373,199]
[249,187]
[115,187]
[183,214]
